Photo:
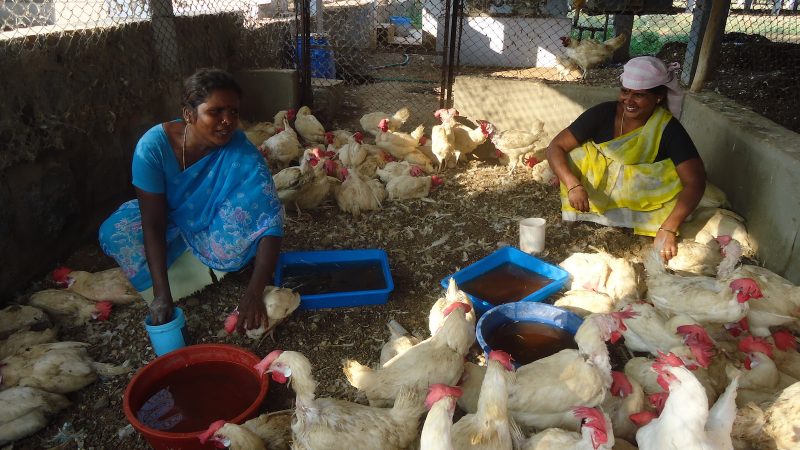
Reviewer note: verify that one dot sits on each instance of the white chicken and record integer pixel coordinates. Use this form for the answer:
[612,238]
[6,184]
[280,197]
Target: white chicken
[418,158]
[59,367]
[371,122]
[286,114]
[407,187]
[396,143]
[25,338]
[443,141]
[759,377]
[260,132]
[437,430]
[352,154]
[706,224]
[17,317]
[780,301]
[25,410]
[686,422]
[543,174]
[649,331]
[279,303]
[584,302]
[452,295]
[490,427]
[399,341]
[596,434]
[274,429]
[704,299]
[698,258]
[395,169]
[514,144]
[308,127]
[438,359]
[355,195]
[231,436]
[771,425]
[602,272]
[326,423]
[69,308]
[108,285]
[468,139]
[282,148]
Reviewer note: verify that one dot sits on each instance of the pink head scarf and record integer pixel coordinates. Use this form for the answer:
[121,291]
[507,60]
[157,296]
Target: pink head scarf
[647,72]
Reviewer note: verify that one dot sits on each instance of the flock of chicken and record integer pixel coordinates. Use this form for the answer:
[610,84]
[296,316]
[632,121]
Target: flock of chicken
[721,370]
[359,175]
[36,370]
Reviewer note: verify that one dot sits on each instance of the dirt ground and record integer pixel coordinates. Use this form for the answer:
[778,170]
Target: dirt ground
[474,213]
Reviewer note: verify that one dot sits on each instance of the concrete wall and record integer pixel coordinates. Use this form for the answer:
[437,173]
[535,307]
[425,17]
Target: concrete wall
[74,106]
[755,161]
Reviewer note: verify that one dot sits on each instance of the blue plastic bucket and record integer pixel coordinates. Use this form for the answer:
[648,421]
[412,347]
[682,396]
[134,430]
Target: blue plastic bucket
[524,312]
[169,336]
[322,62]
[402,25]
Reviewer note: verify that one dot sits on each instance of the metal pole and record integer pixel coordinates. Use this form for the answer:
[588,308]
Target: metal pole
[445,50]
[306,93]
[451,76]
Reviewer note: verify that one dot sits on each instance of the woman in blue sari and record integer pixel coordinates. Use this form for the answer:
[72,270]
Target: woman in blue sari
[203,191]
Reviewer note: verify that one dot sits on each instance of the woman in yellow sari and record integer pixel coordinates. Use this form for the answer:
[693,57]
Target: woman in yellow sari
[630,163]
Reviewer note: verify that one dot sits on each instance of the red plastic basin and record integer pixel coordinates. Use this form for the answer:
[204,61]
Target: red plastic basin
[144,383]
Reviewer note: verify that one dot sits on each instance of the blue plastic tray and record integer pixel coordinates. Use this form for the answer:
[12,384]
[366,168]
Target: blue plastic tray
[338,299]
[524,312]
[519,258]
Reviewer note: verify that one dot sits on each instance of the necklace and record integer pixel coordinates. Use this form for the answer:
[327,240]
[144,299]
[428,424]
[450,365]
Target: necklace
[183,147]
[621,123]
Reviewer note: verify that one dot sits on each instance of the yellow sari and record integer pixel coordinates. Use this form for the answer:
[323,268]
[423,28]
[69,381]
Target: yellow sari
[626,187]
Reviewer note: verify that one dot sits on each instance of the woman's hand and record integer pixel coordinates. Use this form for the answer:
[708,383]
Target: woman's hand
[252,312]
[667,242]
[579,198]
[161,310]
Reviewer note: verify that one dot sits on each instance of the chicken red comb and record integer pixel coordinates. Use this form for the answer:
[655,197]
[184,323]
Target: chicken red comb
[737,328]
[279,130]
[231,321]
[702,354]
[745,288]
[329,137]
[415,171]
[503,358]
[211,431]
[498,153]
[627,313]
[452,307]
[422,140]
[785,340]
[436,181]
[438,113]
[384,125]
[751,344]
[59,275]
[530,161]
[641,419]
[387,156]
[658,400]
[330,167]
[291,114]
[102,310]
[358,137]
[263,366]
[594,420]
[695,333]
[620,386]
[438,391]
[668,359]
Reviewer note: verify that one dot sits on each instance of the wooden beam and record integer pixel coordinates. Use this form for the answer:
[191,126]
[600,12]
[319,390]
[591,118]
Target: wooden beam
[623,24]
[700,16]
[711,40]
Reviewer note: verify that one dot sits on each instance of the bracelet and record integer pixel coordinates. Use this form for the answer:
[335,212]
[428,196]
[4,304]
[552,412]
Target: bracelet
[673,232]
[573,187]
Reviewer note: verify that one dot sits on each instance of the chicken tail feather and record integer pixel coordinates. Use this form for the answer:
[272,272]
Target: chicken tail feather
[357,374]
[402,115]
[653,262]
[395,329]
[616,42]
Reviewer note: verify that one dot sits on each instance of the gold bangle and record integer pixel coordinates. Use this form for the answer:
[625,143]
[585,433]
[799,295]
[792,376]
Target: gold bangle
[573,187]
[673,232]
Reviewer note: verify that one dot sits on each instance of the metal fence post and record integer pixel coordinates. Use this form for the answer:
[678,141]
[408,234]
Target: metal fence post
[165,36]
[700,16]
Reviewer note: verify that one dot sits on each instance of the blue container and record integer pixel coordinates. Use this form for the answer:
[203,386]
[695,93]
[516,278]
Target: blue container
[517,257]
[524,312]
[339,299]
[169,336]
[402,25]
[322,62]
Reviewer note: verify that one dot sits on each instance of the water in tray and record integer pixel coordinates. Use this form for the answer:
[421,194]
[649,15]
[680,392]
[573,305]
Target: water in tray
[505,283]
[328,278]
[193,397]
[528,341]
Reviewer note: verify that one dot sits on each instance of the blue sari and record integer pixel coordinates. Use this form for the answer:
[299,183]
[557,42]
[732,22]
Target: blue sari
[219,208]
